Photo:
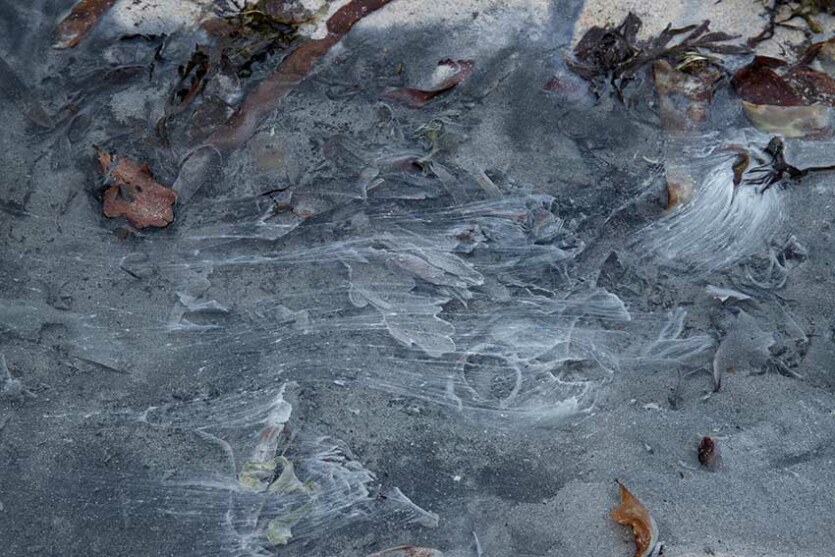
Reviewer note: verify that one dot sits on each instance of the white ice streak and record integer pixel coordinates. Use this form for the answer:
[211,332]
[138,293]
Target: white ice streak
[721,226]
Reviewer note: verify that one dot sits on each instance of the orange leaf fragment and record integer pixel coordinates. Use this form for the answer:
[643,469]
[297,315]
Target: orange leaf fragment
[134,194]
[631,512]
[83,17]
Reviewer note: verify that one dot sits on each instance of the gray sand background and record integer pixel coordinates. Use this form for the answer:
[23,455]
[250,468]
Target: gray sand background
[136,361]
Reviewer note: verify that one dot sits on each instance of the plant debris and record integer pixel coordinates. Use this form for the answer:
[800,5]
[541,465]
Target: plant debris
[784,98]
[759,83]
[631,512]
[709,454]
[791,9]
[774,171]
[685,91]
[194,76]
[134,194]
[416,98]
[80,21]
[615,53]
[255,31]
[265,98]
[242,37]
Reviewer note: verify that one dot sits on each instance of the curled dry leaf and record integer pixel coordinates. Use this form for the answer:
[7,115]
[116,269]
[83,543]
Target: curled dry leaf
[709,454]
[80,21]
[408,551]
[134,194]
[631,512]
[416,98]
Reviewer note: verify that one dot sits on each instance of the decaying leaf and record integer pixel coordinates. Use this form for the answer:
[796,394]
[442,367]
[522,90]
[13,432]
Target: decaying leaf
[258,471]
[631,512]
[264,99]
[279,529]
[134,194]
[408,551]
[251,33]
[794,100]
[789,10]
[759,83]
[258,474]
[80,21]
[287,482]
[709,454]
[416,98]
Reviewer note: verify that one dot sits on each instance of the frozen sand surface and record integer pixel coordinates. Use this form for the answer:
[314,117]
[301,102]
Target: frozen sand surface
[481,346]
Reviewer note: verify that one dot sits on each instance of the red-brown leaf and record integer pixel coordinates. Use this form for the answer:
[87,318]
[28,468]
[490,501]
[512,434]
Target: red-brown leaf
[80,21]
[812,86]
[416,98]
[758,83]
[134,194]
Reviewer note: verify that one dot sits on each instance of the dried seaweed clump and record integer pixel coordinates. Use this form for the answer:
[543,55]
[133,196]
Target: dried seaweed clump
[616,55]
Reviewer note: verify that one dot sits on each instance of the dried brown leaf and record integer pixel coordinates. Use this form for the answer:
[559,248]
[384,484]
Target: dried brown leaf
[631,512]
[758,83]
[811,85]
[771,81]
[134,194]
[417,98]
[80,21]
[790,100]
